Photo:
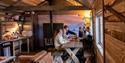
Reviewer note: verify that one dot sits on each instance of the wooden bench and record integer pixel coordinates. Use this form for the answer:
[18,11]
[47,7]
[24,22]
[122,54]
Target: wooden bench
[37,58]
[45,59]
[6,59]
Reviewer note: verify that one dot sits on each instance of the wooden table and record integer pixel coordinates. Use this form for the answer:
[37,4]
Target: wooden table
[72,53]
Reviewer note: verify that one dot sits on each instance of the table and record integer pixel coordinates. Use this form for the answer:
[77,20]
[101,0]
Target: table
[72,53]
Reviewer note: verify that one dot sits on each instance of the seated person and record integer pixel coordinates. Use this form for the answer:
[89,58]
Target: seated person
[82,33]
[66,32]
[59,40]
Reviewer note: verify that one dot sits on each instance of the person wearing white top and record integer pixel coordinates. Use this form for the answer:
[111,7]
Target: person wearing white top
[59,39]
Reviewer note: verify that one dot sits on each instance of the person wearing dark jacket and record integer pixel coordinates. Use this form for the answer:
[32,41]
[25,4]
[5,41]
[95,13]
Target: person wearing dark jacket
[68,31]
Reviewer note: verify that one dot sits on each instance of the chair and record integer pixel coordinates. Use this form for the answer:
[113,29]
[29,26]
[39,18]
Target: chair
[48,42]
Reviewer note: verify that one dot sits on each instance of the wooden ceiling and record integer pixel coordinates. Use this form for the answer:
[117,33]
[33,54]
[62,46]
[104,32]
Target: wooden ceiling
[43,5]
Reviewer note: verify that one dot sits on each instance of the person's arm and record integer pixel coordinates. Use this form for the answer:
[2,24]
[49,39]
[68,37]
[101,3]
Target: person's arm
[62,40]
[71,32]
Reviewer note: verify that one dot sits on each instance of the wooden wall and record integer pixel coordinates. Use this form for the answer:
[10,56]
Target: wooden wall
[99,57]
[115,50]
[115,42]
[115,35]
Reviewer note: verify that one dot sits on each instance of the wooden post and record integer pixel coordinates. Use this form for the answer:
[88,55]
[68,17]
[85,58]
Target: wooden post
[36,42]
[51,17]
[28,45]
[1,50]
[0,32]
[51,22]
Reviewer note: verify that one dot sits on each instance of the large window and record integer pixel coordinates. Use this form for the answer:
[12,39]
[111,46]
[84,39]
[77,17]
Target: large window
[99,32]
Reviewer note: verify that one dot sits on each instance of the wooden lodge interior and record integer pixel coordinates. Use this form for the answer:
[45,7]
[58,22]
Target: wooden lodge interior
[27,31]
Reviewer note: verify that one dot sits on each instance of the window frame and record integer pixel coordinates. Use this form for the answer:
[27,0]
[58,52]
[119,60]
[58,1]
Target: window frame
[99,32]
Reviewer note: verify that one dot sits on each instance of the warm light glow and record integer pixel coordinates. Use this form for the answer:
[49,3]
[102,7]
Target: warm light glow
[15,28]
[19,25]
[87,22]
[86,14]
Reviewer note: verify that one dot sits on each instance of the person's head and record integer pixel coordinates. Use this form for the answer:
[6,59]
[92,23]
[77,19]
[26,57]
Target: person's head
[80,28]
[58,31]
[66,27]
[88,29]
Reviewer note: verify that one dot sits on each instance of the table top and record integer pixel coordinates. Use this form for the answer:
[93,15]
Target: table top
[72,45]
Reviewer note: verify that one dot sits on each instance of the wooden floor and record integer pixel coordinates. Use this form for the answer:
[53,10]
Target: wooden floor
[88,58]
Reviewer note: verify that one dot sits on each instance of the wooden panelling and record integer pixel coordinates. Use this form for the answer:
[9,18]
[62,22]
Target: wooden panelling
[99,57]
[98,5]
[115,50]
[119,26]
[116,34]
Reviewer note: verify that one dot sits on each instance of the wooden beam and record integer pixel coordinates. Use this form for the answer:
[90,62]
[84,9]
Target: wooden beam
[47,8]
[82,4]
[32,2]
[116,2]
[42,3]
[11,11]
[114,21]
[107,17]
[10,2]
[74,2]
[117,14]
